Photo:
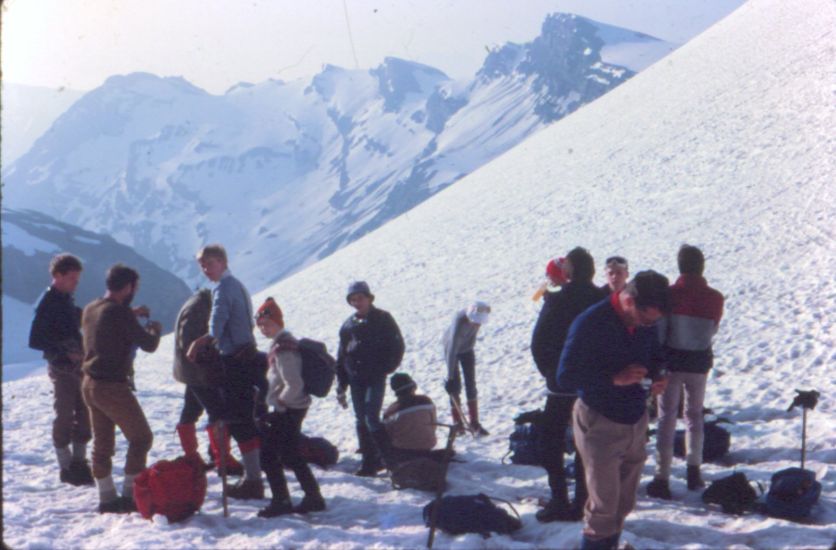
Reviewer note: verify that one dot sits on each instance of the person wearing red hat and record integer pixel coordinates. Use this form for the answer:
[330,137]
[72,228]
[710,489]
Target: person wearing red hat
[290,402]
[555,278]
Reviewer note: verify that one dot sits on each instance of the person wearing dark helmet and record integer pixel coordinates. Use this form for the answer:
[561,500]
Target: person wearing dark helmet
[611,347]
[371,348]
[559,310]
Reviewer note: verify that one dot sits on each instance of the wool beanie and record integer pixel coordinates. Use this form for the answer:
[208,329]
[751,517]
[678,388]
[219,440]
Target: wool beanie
[272,311]
[555,272]
[401,383]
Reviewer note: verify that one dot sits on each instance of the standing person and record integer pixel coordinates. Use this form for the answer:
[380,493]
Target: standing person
[610,349]
[458,341]
[559,310]
[371,348]
[411,420]
[202,378]
[696,310]
[56,332]
[617,272]
[286,394]
[111,335]
[231,332]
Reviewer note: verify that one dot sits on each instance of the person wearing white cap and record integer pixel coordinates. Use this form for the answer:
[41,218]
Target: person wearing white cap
[459,341]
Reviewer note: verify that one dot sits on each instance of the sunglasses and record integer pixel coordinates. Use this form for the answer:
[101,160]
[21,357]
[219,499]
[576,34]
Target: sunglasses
[616,261]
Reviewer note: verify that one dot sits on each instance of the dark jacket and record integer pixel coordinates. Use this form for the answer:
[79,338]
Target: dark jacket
[696,310]
[55,328]
[559,310]
[370,348]
[111,333]
[192,323]
[598,346]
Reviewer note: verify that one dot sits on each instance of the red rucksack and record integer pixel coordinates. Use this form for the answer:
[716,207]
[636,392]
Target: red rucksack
[174,488]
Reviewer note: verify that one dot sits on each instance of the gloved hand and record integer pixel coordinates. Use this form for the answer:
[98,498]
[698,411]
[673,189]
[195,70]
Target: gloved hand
[341,398]
[453,386]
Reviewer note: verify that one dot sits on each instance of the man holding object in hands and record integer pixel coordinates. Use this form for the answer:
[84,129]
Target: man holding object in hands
[610,349]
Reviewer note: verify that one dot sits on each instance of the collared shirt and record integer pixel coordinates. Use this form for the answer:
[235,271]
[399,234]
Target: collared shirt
[231,322]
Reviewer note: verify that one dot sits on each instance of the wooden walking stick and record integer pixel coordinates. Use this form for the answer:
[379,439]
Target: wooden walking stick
[220,437]
[448,451]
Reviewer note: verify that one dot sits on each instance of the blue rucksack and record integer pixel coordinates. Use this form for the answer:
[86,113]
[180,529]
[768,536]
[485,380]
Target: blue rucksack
[471,514]
[524,441]
[792,493]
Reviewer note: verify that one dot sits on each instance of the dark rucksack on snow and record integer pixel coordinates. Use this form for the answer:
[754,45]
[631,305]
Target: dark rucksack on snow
[424,474]
[318,367]
[716,441]
[792,493]
[318,450]
[472,514]
[733,493]
[524,442]
[173,488]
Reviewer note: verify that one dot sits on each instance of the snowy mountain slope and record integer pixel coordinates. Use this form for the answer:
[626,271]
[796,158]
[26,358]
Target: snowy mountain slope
[729,152]
[30,240]
[302,168]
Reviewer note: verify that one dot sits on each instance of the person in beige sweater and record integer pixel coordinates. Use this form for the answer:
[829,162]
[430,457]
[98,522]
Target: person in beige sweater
[283,426]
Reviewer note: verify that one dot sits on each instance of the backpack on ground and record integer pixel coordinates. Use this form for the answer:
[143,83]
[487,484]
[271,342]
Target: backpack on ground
[716,441]
[733,493]
[472,514]
[792,493]
[423,474]
[318,367]
[524,441]
[174,488]
[318,450]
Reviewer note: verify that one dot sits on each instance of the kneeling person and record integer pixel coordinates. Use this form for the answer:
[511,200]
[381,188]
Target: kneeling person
[410,421]
[290,402]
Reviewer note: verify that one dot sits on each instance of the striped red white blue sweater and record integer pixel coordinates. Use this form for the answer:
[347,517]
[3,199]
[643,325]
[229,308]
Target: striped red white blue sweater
[696,310]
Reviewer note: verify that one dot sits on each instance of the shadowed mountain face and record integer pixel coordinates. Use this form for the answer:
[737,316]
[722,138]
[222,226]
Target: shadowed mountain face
[31,239]
[284,174]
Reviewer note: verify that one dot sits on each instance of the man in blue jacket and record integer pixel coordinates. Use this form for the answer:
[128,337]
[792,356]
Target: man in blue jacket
[610,349]
[56,332]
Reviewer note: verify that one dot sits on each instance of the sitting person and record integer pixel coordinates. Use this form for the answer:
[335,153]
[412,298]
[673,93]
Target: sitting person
[411,421]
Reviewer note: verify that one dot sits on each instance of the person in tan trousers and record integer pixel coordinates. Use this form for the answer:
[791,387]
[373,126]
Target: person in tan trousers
[112,333]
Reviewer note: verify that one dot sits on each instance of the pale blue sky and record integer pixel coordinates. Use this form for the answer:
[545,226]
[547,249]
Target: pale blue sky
[217,43]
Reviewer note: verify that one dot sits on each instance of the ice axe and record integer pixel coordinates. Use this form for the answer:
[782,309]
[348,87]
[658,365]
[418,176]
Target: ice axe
[448,451]
[806,400]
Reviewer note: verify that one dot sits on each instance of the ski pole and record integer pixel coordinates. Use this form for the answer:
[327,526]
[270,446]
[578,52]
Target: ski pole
[448,450]
[220,435]
[803,435]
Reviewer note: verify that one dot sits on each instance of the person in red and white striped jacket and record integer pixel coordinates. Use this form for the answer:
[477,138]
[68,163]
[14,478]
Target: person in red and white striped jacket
[696,310]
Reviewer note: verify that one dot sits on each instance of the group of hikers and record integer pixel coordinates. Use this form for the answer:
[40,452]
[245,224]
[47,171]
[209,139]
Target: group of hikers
[602,351]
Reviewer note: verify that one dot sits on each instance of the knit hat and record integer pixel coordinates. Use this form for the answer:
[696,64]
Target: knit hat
[555,272]
[271,310]
[401,383]
[358,287]
[478,312]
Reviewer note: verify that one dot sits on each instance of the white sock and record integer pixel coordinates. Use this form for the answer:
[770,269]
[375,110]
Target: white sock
[107,489]
[80,451]
[64,457]
[252,464]
[128,486]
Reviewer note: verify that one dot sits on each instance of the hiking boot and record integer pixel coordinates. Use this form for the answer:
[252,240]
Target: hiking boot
[695,482]
[659,488]
[65,476]
[310,503]
[555,511]
[478,430]
[80,474]
[114,506]
[246,489]
[368,470]
[276,508]
[128,504]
